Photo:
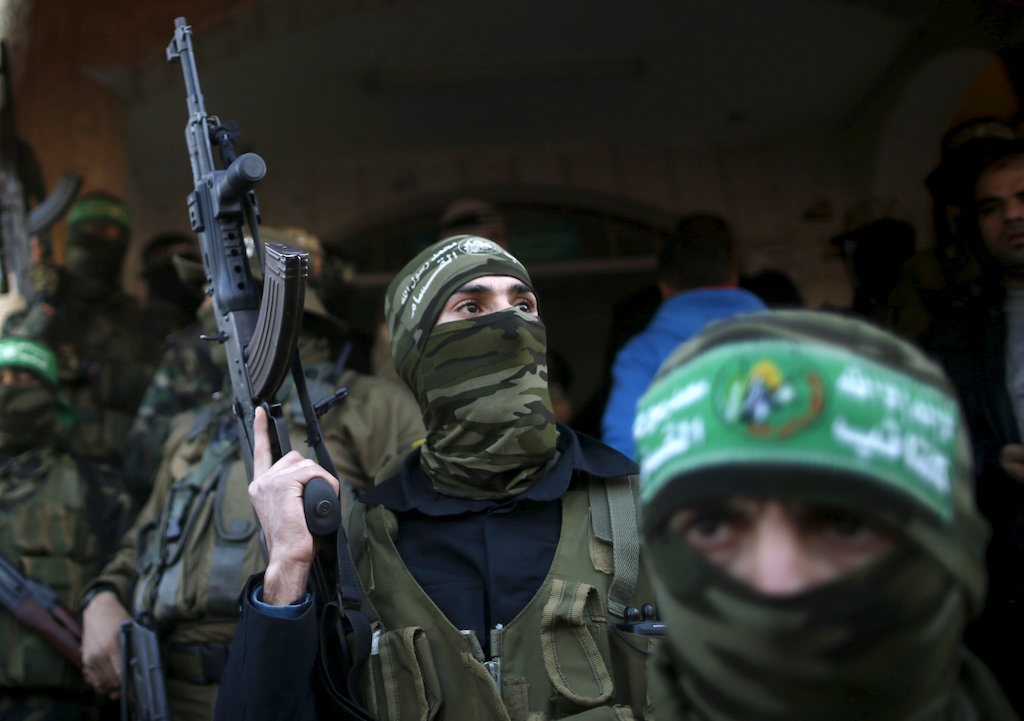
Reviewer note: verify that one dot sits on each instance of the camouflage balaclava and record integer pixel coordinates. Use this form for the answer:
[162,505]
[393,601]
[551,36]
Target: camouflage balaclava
[28,414]
[99,225]
[814,408]
[481,383]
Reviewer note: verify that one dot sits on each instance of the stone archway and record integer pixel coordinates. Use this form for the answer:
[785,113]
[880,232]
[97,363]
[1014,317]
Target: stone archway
[949,88]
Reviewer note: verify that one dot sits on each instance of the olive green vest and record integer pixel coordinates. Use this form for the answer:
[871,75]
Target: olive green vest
[559,657]
[196,555]
[46,532]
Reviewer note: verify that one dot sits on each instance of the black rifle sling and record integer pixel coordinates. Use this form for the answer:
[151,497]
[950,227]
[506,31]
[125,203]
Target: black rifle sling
[337,620]
[345,636]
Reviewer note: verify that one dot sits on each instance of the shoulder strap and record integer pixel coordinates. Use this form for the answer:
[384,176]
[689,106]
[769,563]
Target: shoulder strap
[613,513]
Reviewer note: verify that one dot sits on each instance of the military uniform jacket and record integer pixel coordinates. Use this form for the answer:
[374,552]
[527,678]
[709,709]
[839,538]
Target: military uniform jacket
[561,657]
[50,513]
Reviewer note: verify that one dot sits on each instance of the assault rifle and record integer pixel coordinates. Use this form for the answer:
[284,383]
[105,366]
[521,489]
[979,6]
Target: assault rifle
[17,224]
[36,606]
[260,337]
[262,347]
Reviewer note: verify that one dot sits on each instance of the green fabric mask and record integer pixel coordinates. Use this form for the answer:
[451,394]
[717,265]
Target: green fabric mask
[829,653]
[28,417]
[482,386]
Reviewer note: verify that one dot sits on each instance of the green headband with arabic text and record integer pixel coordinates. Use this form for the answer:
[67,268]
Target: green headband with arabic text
[748,406]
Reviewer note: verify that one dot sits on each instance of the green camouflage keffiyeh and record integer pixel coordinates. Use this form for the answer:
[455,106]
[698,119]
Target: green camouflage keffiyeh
[481,383]
[483,389]
[418,293]
[880,643]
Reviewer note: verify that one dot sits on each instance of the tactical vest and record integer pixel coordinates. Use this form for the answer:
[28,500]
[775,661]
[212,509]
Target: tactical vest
[560,656]
[44,530]
[195,557]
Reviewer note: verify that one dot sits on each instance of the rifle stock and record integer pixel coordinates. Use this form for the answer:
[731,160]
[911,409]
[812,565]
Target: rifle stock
[259,336]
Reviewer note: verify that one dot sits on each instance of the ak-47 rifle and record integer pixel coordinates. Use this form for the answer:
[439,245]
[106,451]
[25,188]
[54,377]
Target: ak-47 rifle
[36,606]
[260,338]
[20,176]
[261,348]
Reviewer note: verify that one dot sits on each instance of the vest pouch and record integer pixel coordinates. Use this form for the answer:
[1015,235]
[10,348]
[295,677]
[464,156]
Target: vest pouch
[633,654]
[400,682]
[572,623]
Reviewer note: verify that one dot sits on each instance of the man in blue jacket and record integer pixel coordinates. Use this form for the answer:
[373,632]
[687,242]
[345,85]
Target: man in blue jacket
[698,282]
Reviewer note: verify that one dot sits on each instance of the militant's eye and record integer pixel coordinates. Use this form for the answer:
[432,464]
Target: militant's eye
[708,529]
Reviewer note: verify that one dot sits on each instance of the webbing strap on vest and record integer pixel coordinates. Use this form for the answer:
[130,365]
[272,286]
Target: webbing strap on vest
[357,542]
[170,535]
[613,513]
[230,547]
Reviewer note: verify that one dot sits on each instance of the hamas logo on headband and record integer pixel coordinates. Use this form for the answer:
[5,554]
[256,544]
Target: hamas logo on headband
[480,246]
[767,401]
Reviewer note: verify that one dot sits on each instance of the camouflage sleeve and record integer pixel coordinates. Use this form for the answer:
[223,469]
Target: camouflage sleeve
[120,571]
[184,380]
[113,508]
[378,421]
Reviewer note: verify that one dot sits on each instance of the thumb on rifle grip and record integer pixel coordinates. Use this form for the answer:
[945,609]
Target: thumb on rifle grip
[322,506]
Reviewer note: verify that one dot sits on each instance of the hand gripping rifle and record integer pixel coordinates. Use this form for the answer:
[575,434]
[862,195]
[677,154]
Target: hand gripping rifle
[260,338]
[20,176]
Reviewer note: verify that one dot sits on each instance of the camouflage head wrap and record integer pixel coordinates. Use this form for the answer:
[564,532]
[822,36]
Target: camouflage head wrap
[481,383]
[820,408]
[418,293]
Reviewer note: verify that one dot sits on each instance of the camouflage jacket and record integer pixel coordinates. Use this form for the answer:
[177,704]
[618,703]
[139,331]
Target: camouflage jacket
[59,518]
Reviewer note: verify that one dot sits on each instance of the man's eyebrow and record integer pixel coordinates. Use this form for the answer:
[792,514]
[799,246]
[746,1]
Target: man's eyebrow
[481,289]
[989,199]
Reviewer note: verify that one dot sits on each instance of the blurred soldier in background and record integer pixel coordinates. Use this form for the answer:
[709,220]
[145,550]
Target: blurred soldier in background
[107,346]
[169,300]
[60,518]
